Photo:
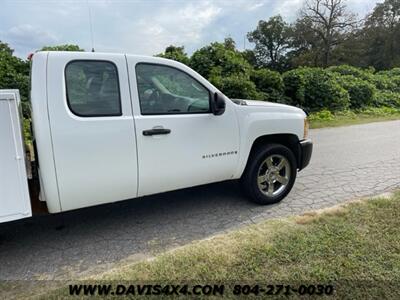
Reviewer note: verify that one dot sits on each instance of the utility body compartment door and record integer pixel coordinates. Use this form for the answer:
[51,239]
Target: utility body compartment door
[14,194]
[92,128]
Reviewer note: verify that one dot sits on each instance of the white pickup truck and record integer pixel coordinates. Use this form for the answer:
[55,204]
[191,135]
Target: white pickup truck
[110,127]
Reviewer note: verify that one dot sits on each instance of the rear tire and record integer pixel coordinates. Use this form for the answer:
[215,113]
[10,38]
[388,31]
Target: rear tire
[270,174]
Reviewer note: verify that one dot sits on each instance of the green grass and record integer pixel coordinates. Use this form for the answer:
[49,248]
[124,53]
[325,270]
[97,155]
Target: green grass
[328,119]
[356,247]
[346,121]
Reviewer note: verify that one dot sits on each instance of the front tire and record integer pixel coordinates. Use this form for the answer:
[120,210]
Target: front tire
[270,174]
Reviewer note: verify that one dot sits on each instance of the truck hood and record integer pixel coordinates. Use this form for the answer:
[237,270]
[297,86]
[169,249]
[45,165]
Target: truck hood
[276,106]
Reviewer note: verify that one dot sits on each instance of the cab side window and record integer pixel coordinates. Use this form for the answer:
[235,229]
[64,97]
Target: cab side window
[167,90]
[93,88]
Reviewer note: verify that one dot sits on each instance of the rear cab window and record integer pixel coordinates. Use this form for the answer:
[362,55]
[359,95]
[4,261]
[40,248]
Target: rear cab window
[93,88]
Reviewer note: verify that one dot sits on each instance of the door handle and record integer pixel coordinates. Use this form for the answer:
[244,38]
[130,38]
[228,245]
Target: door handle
[156,131]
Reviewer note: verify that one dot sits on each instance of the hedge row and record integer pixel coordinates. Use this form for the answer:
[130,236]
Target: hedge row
[336,88]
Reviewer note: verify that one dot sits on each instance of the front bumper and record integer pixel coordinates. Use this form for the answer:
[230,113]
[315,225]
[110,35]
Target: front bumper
[305,151]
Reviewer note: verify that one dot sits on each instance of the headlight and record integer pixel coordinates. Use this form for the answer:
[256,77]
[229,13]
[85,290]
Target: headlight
[306,127]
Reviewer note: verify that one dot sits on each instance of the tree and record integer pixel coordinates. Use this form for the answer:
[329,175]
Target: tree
[271,41]
[221,56]
[229,44]
[66,47]
[385,15]
[330,21]
[14,74]
[226,68]
[175,53]
[251,58]
[305,44]
[381,35]
[5,49]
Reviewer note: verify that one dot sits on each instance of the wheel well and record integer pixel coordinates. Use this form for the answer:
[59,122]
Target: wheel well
[289,140]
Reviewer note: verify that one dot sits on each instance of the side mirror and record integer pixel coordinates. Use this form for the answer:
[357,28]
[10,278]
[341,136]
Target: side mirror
[218,104]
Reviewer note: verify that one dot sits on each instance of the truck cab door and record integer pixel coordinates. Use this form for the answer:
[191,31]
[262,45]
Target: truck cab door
[180,142]
[92,128]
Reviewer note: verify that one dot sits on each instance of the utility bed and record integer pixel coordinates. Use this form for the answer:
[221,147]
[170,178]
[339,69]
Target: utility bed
[14,193]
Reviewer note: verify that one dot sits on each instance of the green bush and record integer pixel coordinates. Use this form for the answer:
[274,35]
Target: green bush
[236,87]
[387,98]
[20,82]
[380,111]
[386,83]
[294,87]
[349,70]
[268,82]
[322,91]
[383,82]
[341,87]
[391,72]
[361,92]
[360,85]
[27,130]
[315,89]
[396,84]
[346,113]
[214,55]
[323,115]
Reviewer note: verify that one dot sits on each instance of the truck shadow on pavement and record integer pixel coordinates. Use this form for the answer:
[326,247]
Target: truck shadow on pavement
[60,245]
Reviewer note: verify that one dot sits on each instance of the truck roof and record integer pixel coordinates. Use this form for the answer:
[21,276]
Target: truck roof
[94,54]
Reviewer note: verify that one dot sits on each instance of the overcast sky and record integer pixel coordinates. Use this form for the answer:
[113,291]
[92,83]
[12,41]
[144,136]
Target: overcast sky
[140,26]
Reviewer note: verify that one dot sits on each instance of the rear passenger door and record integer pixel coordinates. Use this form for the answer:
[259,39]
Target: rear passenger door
[92,128]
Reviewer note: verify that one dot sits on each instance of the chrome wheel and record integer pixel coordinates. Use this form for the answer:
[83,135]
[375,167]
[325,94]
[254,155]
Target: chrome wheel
[273,175]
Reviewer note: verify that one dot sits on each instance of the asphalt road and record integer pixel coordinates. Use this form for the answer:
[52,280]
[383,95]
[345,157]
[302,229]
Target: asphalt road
[347,163]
